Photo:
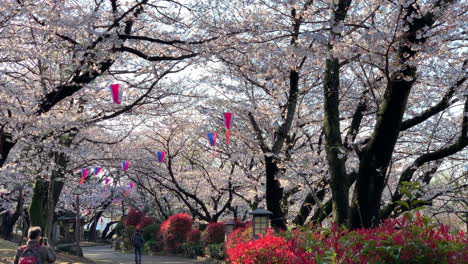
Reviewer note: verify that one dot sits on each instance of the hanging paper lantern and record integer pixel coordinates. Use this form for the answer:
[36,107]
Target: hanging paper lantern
[125,165]
[84,174]
[116,93]
[227,124]
[107,181]
[132,185]
[127,192]
[212,139]
[161,155]
[97,170]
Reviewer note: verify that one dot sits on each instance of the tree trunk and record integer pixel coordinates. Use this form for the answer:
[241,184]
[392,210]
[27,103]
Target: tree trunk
[322,212]
[307,205]
[274,194]
[38,207]
[92,231]
[334,146]
[8,223]
[378,153]
[50,208]
[6,144]
[106,230]
[9,220]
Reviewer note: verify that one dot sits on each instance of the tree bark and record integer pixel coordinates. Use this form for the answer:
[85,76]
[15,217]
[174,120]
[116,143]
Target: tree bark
[375,159]
[50,208]
[274,194]
[322,212]
[407,174]
[6,144]
[307,206]
[365,208]
[92,231]
[106,230]
[334,146]
[38,207]
[9,220]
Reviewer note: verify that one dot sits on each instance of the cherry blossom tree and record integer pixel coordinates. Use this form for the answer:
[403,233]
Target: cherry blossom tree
[367,56]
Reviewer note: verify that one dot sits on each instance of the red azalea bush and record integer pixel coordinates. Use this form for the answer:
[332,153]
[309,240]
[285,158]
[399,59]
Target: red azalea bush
[175,229]
[405,240]
[194,236]
[240,235]
[162,229]
[267,249]
[214,233]
[133,217]
[145,221]
[239,224]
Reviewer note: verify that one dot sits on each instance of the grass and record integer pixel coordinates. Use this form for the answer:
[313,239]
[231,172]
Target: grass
[8,251]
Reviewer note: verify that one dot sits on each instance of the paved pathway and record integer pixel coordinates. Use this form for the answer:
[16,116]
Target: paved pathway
[105,254]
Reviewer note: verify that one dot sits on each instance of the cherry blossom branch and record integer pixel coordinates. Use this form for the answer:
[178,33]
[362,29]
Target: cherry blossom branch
[443,104]
[408,173]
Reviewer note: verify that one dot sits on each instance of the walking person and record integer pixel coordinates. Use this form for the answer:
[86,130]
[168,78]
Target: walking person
[138,241]
[36,250]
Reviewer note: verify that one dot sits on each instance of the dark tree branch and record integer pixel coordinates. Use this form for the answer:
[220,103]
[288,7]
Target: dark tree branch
[155,58]
[439,107]
[165,42]
[365,211]
[258,132]
[408,173]
[356,121]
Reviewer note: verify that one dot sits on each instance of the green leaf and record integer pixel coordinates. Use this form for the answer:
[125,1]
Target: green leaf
[403,203]
[420,208]
[416,202]
[405,191]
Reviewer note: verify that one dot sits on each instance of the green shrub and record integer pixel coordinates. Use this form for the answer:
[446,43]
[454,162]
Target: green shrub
[116,244]
[119,228]
[191,250]
[150,231]
[124,244]
[129,231]
[216,251]
[153,246]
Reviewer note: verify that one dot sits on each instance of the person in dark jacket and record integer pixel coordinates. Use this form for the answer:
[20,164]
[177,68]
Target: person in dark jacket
[138,241]
[39,245]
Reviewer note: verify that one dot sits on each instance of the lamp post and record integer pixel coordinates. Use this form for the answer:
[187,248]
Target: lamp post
[229,228]
[77,193]
[260,221]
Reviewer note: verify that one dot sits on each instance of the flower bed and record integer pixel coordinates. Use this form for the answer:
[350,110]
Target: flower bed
[397,241]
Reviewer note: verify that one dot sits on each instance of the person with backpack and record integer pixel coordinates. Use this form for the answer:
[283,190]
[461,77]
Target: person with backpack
[36,250]
[138,241]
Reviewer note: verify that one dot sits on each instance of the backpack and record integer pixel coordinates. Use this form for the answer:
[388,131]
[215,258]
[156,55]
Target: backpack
[137,240]
[30,256]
